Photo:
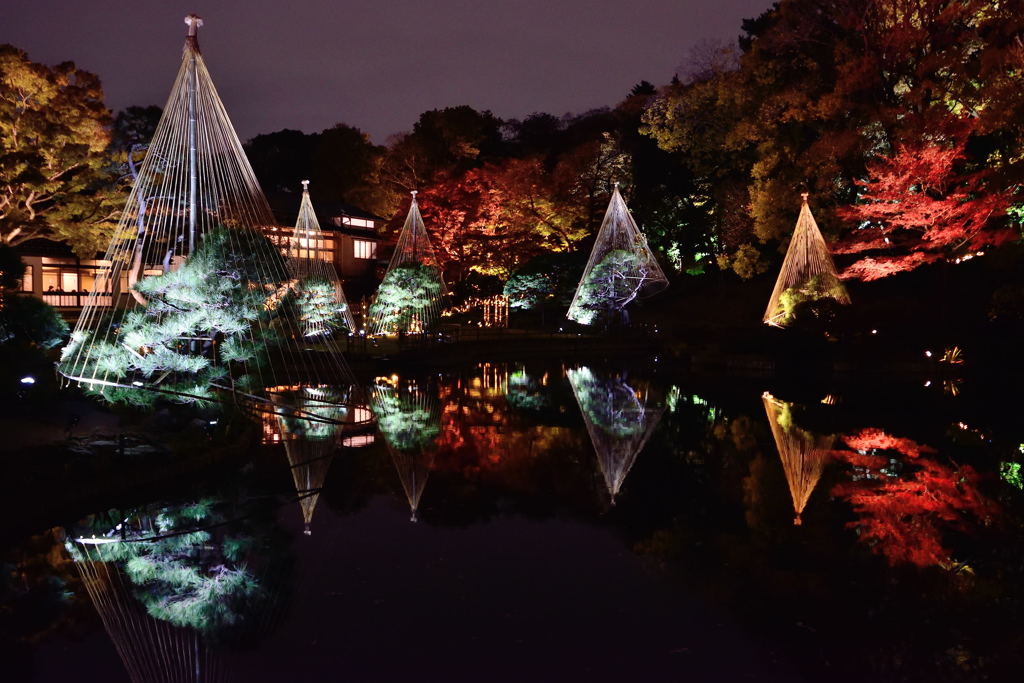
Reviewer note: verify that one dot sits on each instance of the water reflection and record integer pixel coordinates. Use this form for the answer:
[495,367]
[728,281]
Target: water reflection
[803,453]
[620,418]
[409,419]
[173,584]
[901,521]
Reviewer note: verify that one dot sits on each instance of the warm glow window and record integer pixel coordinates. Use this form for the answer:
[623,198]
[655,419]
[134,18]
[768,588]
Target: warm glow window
[364,249]
[26,280]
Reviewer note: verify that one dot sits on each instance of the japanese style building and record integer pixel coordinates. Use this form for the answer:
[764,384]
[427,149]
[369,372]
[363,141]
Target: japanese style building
[351,240]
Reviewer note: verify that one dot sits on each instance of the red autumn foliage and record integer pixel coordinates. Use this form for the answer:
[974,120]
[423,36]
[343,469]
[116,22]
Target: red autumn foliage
[919,207]
[876,439]
[903,517]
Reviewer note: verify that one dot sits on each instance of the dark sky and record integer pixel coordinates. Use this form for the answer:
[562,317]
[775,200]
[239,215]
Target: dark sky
[377,64]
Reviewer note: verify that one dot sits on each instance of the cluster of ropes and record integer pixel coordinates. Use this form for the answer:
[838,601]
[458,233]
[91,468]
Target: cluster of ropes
[803,454]
[621,267]
[195,193]
[412,294]
[619,418]
[808,266]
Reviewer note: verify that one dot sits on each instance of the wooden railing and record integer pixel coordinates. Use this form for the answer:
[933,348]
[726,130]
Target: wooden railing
[75,300]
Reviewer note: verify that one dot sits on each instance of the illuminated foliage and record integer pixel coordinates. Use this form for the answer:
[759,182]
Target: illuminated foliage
[918,207]
[405,299]
[188,571]
[56,179]
[199,319]
[903,508]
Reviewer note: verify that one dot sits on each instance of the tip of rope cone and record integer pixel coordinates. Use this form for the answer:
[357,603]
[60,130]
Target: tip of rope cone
[805,195]
[305,185]
[797,521]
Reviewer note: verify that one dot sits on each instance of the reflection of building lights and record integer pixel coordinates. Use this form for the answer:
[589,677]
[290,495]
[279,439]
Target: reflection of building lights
[28,380]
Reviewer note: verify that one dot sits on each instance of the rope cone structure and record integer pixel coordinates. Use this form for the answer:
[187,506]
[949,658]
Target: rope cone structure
[311,440]
[409,419]
[619,419]
[323,309]
[152,651]
[206,308]
[621,268]
[807,271]
[803,454]
[409,298]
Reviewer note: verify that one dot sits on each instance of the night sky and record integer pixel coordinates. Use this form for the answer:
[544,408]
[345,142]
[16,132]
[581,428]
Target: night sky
[377,64]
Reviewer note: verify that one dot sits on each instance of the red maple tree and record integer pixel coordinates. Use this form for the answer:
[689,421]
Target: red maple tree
[920,206]
[903,515]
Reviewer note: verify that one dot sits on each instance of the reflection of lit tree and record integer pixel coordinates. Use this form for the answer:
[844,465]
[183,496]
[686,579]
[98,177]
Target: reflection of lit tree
[803,454]
[409,420]
[524,392]
[619,419]
[902,504]
[168,581]
[311,436]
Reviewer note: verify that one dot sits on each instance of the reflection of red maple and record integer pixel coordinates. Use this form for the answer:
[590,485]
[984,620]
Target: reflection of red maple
[918,207]
[903,517]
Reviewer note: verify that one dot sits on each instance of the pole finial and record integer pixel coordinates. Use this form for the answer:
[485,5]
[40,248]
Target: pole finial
[305,186]
[804,196]
[413,193]
[193,21]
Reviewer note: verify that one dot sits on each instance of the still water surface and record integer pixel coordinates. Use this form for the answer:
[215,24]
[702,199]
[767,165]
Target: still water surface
[559,521]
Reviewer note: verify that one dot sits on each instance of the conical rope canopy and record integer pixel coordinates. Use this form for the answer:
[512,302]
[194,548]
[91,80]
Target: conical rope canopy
[619,418]
[206,307]
[802,453]
[621,268]
[410,297]
[807,271]
[409,418]
[323,308]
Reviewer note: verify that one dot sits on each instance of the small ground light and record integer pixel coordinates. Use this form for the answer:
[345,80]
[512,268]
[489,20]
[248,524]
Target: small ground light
[28,379]
[928,383]
[928,353]
[136,383]
[874,331]
[213,422]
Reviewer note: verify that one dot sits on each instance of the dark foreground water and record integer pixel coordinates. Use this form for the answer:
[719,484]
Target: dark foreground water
[573,522]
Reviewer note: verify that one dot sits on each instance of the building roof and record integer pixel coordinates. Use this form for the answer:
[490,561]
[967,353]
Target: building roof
[286,208]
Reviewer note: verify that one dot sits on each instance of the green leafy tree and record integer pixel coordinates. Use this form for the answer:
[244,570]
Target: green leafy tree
[56,179]
[319,310]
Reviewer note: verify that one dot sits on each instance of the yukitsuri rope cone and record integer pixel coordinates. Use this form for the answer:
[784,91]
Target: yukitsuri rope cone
[205,308]
[807,271]
[152,650]
[621,268]
[803,454]
[619,418]
[410,298]
[409,418]
[323,309]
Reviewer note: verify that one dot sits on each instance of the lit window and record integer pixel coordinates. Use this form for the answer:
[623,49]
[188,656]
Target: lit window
[26,281]
[364,249]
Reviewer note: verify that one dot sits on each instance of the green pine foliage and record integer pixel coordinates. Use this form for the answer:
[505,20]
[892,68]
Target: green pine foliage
[609,286]
[407,424]
[204,321]
[186,568]
[407,292]
[319,311]
[608,404]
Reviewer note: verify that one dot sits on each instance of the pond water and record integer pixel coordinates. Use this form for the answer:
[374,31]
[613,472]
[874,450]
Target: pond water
[560,521]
